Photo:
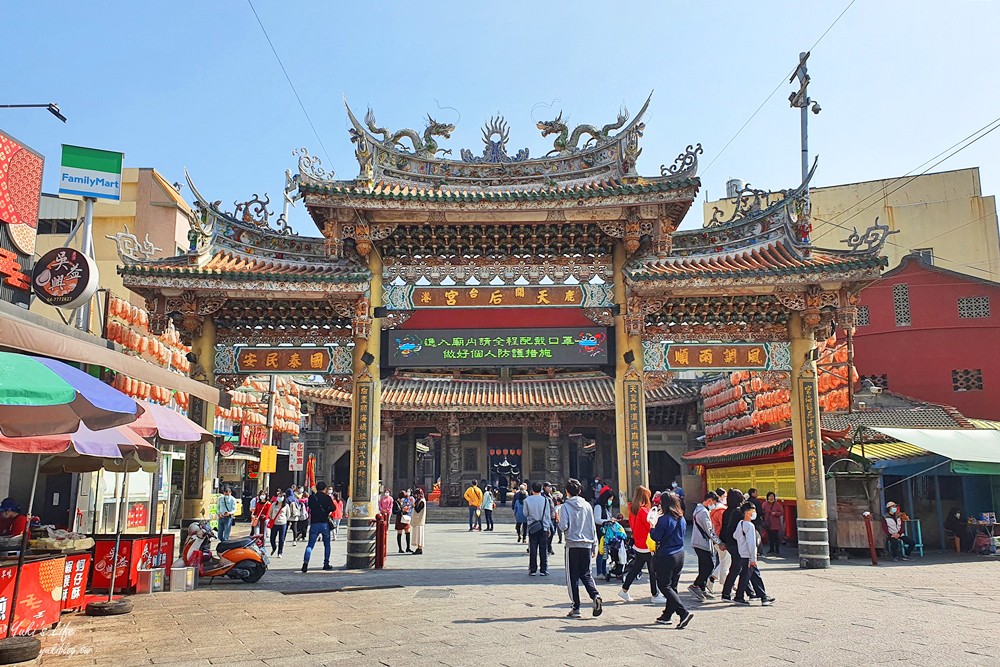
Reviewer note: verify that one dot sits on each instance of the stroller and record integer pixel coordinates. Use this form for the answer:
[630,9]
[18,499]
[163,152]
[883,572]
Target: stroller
[617,546]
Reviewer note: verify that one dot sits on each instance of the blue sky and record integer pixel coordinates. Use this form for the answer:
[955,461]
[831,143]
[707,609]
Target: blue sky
[175,84]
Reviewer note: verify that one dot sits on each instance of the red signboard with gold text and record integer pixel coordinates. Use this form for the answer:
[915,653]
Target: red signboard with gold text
[275,360]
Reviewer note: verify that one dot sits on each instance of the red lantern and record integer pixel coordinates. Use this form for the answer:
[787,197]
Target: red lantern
[518,452]
[493,452]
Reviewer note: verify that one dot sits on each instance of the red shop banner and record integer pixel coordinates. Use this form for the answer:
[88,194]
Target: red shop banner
[39,600]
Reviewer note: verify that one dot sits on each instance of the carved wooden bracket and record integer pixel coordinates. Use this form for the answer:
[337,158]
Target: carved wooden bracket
[362,320]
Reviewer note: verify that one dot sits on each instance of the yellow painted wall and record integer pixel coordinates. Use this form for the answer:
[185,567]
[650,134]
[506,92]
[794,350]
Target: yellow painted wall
[149,205]
[777,477]
[944,211]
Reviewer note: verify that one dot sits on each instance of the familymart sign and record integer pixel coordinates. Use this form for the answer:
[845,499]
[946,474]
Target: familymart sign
[89,172]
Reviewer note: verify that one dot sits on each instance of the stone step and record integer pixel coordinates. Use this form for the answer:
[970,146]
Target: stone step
[435,514]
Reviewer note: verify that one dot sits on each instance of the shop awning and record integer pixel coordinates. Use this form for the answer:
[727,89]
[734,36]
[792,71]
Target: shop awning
[759,446]
[976,445]
[29,332]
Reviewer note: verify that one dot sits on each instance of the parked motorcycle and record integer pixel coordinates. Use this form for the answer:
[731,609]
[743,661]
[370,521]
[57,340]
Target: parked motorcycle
[242,558]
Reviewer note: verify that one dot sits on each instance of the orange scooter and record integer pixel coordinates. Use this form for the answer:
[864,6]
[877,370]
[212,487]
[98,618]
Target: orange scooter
[242,558]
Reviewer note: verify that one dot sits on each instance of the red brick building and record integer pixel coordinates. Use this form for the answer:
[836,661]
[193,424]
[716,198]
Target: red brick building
[931,333]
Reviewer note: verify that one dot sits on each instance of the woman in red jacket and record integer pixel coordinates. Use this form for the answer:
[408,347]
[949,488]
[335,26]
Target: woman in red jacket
[638,520]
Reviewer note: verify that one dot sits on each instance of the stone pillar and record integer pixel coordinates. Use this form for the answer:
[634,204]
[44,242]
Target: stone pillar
[451,487]
[807,447]
[199,462]
[366,427]
[553,453]
[630,395]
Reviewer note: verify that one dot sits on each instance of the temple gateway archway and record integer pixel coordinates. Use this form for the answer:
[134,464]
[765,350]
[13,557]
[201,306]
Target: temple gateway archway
[504,311]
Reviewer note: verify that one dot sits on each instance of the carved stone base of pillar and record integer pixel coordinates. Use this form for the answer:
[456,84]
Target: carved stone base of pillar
[360,544]
[814,543]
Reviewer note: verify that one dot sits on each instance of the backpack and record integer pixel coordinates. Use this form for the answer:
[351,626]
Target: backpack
[730,521]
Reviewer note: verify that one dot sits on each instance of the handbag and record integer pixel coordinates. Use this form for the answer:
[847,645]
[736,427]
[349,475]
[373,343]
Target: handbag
[405,518]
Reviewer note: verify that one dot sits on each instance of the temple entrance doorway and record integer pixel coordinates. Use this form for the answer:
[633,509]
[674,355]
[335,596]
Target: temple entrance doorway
[663,469]
[505,457]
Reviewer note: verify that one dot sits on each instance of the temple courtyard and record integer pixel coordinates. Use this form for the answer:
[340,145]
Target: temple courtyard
[470,601]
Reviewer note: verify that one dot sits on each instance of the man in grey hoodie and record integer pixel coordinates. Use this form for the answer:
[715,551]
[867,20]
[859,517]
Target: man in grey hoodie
[576,519]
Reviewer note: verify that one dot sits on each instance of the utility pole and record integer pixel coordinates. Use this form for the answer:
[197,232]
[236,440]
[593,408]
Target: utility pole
[800,100]
[87,248]
[272,391]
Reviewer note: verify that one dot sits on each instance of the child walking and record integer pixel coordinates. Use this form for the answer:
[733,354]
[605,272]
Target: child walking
[748,540]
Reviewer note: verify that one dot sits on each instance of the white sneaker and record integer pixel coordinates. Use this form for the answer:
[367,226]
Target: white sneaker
[623,594]
[658,599]
[710,586]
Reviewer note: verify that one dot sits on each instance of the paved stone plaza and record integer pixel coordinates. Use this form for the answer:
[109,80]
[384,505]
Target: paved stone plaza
[469,601]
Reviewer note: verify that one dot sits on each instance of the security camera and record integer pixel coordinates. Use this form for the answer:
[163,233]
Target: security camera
[816,107]
[876,390]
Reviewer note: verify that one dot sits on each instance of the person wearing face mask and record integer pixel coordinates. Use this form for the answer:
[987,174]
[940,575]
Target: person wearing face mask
[900,544]
[748,540]
[704,540]
[957,527]
[259,514]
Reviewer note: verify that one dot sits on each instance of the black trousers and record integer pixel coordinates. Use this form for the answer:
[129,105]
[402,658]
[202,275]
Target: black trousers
[668,574]
[749,577]
[522,528]
[577,570]
[641,559]
[734,568]
[706,563]
[278,535]
[538,553]
[901,547]
[773,541]
[489,519]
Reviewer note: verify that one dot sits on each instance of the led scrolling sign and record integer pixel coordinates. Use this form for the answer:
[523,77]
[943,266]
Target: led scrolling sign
[436,348]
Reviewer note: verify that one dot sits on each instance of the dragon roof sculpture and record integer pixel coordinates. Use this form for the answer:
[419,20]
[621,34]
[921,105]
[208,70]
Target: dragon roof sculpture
[410,158]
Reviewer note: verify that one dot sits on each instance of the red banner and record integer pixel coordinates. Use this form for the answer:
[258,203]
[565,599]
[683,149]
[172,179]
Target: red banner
[75,581]
[39,601]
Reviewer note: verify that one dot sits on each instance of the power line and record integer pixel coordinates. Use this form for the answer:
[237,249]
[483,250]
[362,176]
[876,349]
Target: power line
[776,89]
[881,194]
[995,123]
[289,79]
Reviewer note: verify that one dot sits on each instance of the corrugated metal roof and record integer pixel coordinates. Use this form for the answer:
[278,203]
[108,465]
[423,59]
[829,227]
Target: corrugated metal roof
[51,207]
[885,451]
[986,424]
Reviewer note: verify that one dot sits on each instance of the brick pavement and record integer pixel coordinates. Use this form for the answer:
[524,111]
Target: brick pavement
[469,601]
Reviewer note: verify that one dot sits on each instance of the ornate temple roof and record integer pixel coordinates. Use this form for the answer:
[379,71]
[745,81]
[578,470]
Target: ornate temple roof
[229,249]
[588,167]
[572,392]
[766,239]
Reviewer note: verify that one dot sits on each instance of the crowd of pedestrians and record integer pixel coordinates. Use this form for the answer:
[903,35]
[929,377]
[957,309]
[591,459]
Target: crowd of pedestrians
[727,533]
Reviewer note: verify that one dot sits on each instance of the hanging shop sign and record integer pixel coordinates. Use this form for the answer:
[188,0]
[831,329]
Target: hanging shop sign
[20,194]
[227,449]
[408,297]
[433,348]
[659,356]
[296,456]
[91,173]
[253,436]
[64,278]
[275,360]
[268,459]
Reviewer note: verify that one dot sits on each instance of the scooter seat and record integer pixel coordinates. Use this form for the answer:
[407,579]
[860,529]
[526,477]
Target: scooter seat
[234,544]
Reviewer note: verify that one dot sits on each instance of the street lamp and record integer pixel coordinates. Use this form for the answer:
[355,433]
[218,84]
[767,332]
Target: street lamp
[52,107]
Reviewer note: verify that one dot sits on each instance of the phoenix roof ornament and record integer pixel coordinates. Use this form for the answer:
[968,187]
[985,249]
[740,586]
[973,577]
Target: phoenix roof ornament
[495,151]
